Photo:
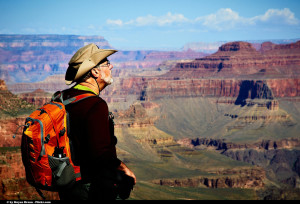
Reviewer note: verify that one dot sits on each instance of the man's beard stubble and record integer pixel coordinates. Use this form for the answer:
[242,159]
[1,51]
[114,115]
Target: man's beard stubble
[107,79]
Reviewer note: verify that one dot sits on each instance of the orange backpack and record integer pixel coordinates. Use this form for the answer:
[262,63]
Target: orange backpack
[45,146]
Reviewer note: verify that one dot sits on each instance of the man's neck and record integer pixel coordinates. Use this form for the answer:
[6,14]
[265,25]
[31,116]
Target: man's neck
[93,85]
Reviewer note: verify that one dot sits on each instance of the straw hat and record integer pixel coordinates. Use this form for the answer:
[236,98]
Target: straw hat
[84,60]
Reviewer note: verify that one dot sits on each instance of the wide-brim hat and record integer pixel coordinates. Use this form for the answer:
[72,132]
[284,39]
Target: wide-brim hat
[84,60]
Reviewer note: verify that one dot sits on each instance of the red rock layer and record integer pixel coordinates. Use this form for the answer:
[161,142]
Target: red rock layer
[13,185]
[241,59]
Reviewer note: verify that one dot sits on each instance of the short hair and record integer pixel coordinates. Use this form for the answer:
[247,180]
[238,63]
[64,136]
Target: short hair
[85,77]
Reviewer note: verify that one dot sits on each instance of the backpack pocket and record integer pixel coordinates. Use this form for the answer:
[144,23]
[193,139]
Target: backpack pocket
[63,175]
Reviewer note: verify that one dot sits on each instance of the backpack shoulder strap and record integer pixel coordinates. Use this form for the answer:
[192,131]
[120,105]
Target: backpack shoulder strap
[78,98]
[58,96]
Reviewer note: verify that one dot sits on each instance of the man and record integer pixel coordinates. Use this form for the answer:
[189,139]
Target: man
[91,130]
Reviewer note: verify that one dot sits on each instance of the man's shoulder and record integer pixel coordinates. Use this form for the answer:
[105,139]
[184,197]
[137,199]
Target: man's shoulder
[70,93]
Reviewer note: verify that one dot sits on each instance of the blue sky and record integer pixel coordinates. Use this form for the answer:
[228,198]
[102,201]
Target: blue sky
[154,24]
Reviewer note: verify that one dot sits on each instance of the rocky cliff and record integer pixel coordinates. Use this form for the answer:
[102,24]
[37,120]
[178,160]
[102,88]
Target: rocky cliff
[237,88]
[279,157]
[221,144]
[212,47]
[13,185]
[243,178]
[226,73]
[30,58]
[282,163]
[157,87]
[241,59]
[38,97]
[10,104]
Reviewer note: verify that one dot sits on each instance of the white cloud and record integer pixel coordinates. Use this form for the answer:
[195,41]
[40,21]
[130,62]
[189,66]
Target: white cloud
[114,22]
[223,19]
[149,20]
[171,18]
[276,16]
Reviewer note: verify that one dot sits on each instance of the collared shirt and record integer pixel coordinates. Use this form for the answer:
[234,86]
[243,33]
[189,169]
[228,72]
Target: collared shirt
[84,88]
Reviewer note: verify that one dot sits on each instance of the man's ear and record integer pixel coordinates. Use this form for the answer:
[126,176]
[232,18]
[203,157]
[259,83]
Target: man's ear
[95,73]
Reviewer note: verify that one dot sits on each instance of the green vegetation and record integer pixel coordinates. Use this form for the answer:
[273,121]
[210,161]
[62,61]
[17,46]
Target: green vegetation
[12,106]
[205,118]
[148,191]
[181,163]
[9,149]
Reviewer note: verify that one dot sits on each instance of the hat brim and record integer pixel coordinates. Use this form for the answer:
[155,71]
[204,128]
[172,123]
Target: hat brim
[90,63]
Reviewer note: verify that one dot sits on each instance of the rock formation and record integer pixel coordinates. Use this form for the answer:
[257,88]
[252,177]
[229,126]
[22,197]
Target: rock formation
[281,157]
[244,178]
[13,185]
[38,97]
[33,58]
[281,162]
[10,104]
[222,74]
[221,144]
[240,59]
[30,58]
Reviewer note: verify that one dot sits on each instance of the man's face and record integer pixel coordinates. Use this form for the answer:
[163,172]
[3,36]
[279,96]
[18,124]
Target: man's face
[105,70]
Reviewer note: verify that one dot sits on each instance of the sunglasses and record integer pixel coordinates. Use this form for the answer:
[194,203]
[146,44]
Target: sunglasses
[105,65]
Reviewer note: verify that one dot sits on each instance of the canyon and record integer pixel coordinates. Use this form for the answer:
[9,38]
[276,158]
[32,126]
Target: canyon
[229,119]
[48,55]
[236,63]
[243,178]
[13,183]
[280,157]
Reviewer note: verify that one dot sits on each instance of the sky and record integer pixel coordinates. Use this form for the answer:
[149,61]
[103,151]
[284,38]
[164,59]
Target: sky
[154,24]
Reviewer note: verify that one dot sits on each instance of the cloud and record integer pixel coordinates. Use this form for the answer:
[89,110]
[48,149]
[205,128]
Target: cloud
[114,22]
[151,20]
[223,19]
[276,16]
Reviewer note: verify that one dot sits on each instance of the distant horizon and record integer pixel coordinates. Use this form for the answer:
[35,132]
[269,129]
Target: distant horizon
[181,48]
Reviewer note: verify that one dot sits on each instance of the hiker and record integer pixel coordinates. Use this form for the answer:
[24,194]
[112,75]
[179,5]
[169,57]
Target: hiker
[91,130]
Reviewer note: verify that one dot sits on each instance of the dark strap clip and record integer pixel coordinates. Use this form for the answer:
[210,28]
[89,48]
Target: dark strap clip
[47,139]
[42,111]
[62,132]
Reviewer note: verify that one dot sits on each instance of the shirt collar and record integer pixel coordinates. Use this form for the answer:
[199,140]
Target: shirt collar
[83,88]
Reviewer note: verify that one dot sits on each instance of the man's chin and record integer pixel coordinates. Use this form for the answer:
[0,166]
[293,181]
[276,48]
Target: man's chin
[109,81]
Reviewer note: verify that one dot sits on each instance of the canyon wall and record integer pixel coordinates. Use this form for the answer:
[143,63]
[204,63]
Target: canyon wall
[243,178]
[236,66]
[280,157]
[157,87]
[221,144]
[10,104]
[241,59]
[31,58]
[239,89]
[13,185]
